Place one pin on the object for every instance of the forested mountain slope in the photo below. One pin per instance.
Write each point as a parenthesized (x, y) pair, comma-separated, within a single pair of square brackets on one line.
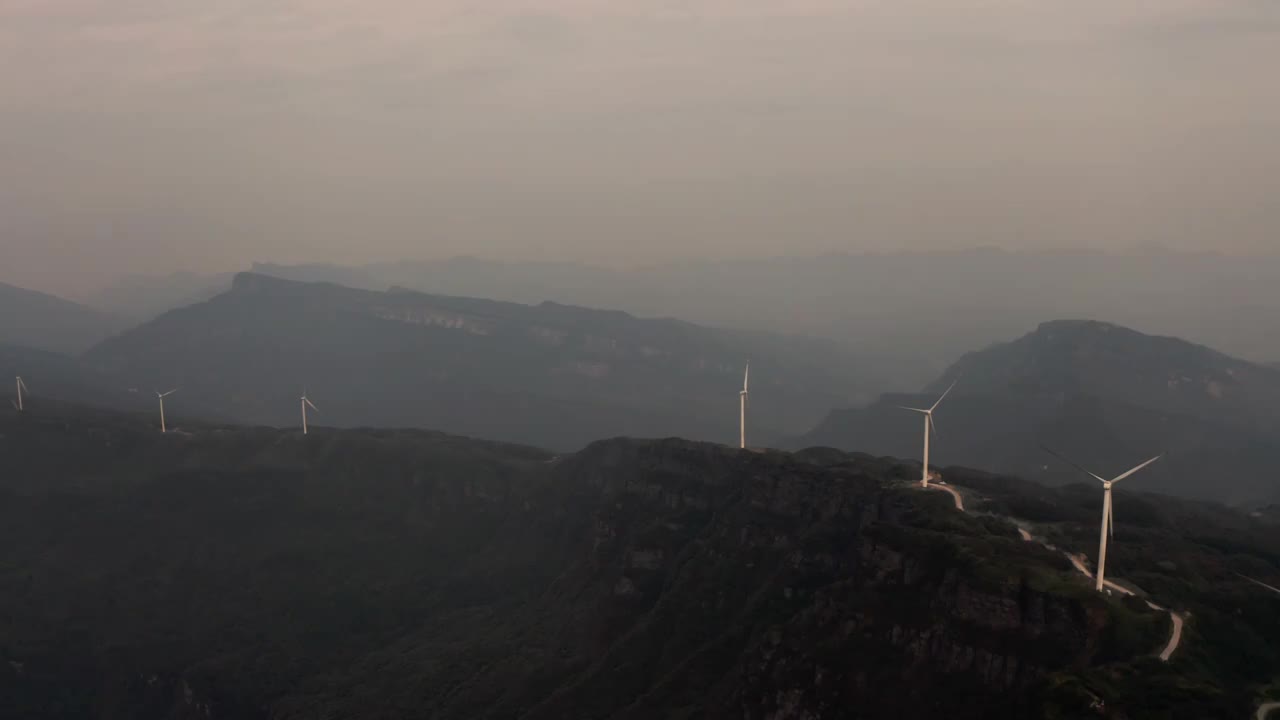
[(224, 572)]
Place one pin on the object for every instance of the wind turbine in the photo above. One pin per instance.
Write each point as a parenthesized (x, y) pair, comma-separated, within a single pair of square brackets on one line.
[(1108, 521), (161, 397), (1261, 584), (742, 409), (306, 404), (928, 428), (21, 387)]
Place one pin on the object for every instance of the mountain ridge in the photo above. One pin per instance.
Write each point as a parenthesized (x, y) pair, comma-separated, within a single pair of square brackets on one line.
[(1107, 396), (633, 579), (1194, 379), (875, 303), (48, 322), (551, 374)]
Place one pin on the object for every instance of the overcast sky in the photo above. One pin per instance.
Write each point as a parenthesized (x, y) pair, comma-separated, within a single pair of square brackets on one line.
[(154, 135)]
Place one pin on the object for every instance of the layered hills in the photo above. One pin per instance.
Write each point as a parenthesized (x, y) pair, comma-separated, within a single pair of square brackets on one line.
[(914, 311), (550, 375), (226, 572), (46, 322), (1106, 396)]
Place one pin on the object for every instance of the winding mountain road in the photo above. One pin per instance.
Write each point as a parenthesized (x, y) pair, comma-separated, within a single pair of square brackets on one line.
[(1264, 709), (954, 494), (1175, 634)]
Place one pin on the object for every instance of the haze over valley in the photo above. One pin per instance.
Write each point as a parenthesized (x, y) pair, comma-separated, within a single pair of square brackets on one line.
[(499, 369), (911, 313)]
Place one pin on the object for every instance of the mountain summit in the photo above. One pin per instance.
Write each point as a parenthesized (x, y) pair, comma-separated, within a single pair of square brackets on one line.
[(552, 375), (1123, 365), (1107, 395)]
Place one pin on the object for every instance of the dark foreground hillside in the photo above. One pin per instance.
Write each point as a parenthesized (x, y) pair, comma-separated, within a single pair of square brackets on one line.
[(257, 573)]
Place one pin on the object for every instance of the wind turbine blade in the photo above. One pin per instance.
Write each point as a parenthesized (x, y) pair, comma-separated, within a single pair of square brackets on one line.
[(932, 427), (746, 375), (904, 407), (1260, 583), (311, 405), (944, 396), (1072, 464), (1111, 517), (1143, 465), (23, 384)]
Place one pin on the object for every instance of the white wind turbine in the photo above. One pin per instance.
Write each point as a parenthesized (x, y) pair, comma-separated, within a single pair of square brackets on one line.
[(21, 387), (306, 404), (1108, 520), (929, 428), (161, 396), (1261, 584), (742, 409)]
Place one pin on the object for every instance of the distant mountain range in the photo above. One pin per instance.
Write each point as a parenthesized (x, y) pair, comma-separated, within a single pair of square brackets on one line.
[(37, 320), (142, 297), (1107, 396), (58, 379), (551, 375), (501, 370), (912, 312)]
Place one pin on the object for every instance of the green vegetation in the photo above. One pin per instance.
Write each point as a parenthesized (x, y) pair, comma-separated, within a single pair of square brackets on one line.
[(1184, 555), (251, 573)]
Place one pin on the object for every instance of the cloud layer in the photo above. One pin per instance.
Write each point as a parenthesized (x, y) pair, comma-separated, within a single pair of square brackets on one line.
[(164, 134)]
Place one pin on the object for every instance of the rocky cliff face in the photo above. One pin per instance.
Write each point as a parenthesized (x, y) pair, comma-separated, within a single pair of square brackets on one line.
[(388, 575), (753, 586)]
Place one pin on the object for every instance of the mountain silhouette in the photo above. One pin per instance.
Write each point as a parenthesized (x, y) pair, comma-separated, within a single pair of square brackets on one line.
[(1105, 395), (46, 322), (551, 375)]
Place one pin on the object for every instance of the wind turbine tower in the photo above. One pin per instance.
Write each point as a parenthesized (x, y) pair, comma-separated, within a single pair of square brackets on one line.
[(306, 404), (22, 386), (1108, 521), (742, 409), (161, 397), (929, 427)]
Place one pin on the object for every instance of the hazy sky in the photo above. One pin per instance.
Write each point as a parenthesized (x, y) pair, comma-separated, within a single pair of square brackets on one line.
[(152, 135)]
